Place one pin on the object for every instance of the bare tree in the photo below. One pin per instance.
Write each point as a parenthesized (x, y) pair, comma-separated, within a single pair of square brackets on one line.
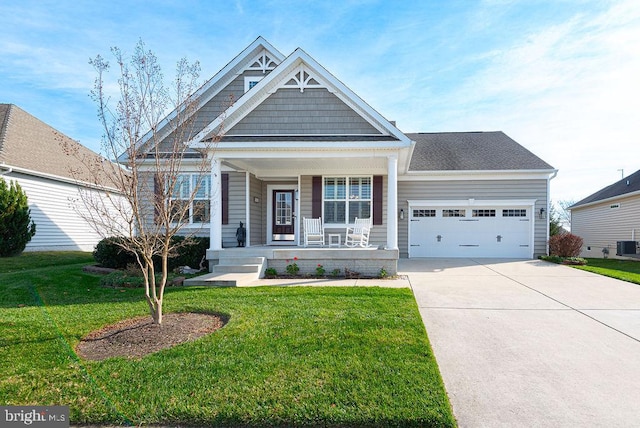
[(154, 200), (564, 213)]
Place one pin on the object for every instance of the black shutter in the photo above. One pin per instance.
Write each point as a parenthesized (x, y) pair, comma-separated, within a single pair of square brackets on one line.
[(225, 198), (377, 199), (316, 197)]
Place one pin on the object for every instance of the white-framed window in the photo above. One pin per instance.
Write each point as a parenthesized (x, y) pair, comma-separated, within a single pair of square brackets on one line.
[(251, 81), (199, 210), (345, 198)]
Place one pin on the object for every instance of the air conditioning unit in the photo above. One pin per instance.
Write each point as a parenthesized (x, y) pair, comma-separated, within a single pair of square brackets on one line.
[(626, 247)]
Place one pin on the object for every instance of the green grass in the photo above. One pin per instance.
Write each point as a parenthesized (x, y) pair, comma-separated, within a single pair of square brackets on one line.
[(299, 356), (626, 270)]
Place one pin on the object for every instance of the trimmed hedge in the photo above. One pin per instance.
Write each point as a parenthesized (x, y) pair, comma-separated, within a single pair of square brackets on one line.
[(109, 254)]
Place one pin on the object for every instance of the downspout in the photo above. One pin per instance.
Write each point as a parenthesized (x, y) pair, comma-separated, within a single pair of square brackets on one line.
[(555, 173)]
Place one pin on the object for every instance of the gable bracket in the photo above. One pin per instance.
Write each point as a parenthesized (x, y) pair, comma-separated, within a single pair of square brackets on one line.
[(302, 78), (263, 62)]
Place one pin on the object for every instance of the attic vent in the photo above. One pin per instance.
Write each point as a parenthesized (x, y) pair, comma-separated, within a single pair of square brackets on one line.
[(614, 206)]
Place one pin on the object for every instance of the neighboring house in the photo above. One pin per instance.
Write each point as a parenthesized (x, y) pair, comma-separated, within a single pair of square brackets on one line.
[(609, 216), (299, 143), (31, 155)]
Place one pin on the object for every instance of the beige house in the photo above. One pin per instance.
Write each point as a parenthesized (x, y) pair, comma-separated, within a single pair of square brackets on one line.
[(608, 221), (298, 143)]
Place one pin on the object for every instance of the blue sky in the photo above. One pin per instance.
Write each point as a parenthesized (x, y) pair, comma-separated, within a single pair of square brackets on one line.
[(560, 77)]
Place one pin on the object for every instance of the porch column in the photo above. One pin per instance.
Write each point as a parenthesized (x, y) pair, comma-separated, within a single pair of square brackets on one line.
[(215, 231), (392, 202)]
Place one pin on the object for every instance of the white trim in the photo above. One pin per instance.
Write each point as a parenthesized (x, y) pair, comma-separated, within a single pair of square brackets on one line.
[(471, 202), (477, 175), (270, 189), (606, 201)]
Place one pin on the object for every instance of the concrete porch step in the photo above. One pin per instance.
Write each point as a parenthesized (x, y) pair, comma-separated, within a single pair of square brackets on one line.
[(237, 268)]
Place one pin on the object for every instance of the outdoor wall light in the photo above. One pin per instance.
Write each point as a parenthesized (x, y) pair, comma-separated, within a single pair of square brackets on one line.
[(401, 214), (542, 212)]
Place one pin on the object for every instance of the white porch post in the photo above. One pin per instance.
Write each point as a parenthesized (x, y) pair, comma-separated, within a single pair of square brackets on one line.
[(247, 208), (392, 202), (215, 232)]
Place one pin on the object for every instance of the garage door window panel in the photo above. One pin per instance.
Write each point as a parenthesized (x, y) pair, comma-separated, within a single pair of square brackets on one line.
[(454, 213)]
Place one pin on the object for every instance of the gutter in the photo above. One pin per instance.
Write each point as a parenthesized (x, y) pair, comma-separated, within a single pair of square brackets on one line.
[(85, 184), (9, 169)]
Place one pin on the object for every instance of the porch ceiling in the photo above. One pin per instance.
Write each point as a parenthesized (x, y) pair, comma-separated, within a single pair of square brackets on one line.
[(289, 167)]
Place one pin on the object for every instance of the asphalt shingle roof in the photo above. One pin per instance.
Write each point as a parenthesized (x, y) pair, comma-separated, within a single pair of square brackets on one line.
[(471, 151), (27, 142), (629, 184)]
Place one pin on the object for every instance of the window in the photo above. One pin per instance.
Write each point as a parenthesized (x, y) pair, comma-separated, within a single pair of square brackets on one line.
[(199, 209), (346, 198), (251, 81), (483, 213), (453, 213), (514, 213), (424, 213)]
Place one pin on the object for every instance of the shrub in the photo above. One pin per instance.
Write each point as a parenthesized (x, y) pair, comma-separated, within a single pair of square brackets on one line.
[(320, 271), (565, 245), (270, 272), (111, 255), (108, 253), (16, 227)]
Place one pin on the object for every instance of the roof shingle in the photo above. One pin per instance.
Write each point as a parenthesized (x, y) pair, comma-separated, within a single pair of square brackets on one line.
[(629, 184), (27, 142), (471, 151)]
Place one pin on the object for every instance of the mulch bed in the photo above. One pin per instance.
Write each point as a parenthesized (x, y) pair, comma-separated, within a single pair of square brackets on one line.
[(137, 337)]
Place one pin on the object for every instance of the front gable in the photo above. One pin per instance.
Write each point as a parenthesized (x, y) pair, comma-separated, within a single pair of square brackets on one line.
[(220, 92), (301, 98)]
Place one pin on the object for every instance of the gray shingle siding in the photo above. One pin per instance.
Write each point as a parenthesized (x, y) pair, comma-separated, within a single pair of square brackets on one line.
[(291, 112)]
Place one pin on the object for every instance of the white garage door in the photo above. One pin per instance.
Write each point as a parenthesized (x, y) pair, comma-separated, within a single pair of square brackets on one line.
[(478, 231)]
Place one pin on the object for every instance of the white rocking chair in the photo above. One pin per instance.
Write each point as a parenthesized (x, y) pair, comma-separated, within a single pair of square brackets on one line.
[(313, 231), (358, 234)]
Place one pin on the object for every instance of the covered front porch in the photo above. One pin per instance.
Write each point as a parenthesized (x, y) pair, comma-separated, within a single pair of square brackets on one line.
[(271, 192)]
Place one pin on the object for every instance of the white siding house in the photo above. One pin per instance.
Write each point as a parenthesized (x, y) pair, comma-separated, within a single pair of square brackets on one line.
[(31, 155)]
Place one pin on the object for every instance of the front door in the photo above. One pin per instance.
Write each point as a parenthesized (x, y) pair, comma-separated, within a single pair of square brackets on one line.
[(283, 215)]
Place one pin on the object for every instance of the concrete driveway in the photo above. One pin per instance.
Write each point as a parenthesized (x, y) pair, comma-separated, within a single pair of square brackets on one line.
[(530, 343)]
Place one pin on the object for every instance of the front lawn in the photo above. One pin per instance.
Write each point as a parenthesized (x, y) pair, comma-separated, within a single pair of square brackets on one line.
[(626, 270), (300, 356)]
